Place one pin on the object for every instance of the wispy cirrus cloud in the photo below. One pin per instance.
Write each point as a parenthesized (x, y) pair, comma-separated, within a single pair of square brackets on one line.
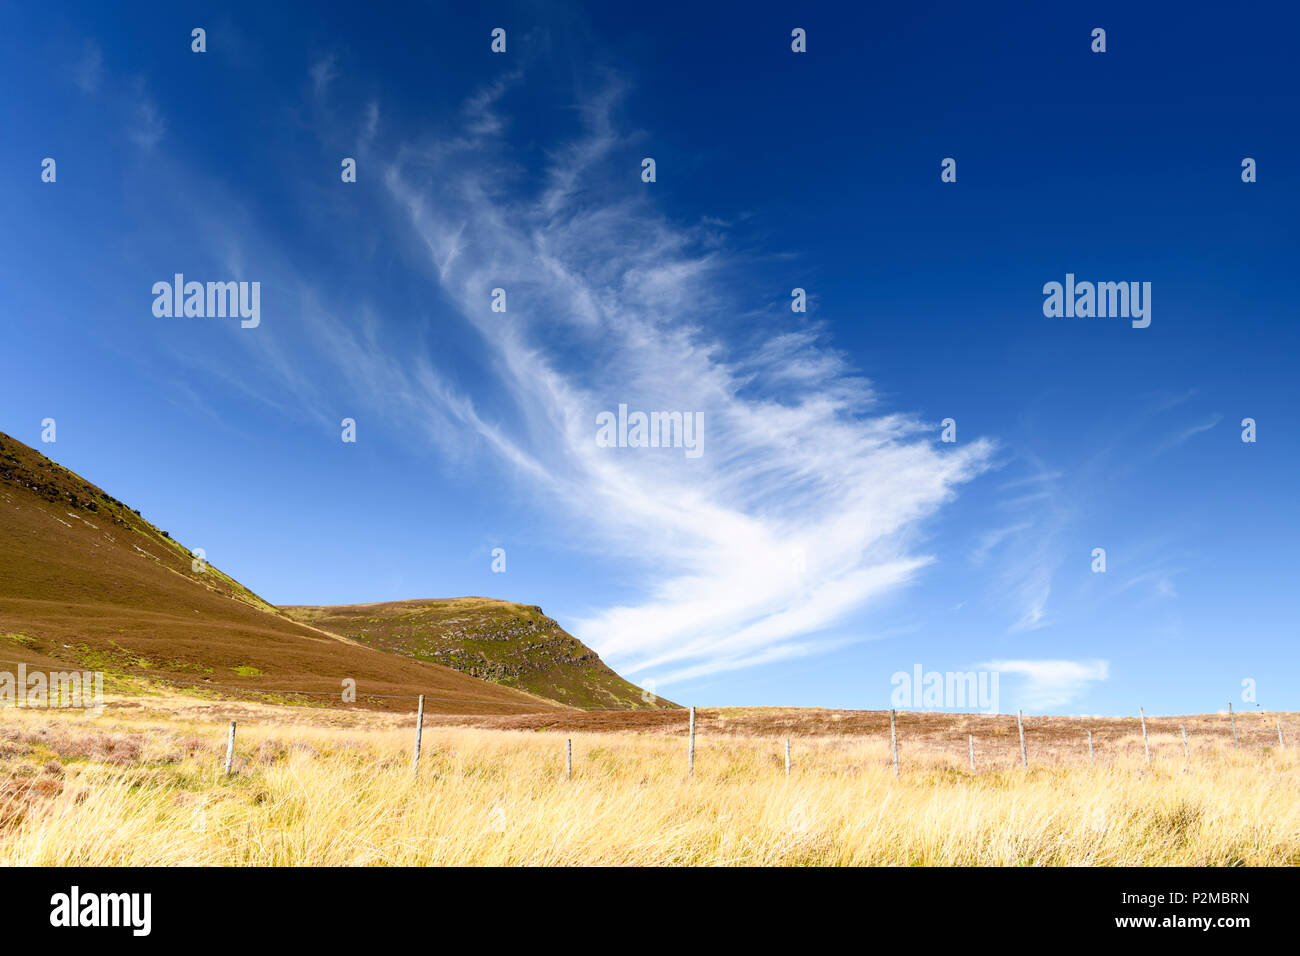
[(323, 73), (1188, 432), (88, 71), (144, 123), (805, 504), (1026, 554), (1050, 505), (146, 126)]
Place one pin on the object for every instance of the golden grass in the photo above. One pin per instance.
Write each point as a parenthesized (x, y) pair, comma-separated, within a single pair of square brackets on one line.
[(144, 787)]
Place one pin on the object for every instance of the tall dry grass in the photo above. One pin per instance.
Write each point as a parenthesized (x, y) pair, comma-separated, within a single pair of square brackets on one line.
[(318, 795)]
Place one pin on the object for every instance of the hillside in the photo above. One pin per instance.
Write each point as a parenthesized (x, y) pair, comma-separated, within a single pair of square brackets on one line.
[(511, 644), (88, 582)]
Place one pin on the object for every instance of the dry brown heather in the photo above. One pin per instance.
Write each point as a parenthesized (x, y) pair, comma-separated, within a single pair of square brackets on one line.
[(143, 785)]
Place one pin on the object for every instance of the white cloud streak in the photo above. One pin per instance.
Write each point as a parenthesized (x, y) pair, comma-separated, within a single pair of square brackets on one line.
[(804, 504), (1052, 683)]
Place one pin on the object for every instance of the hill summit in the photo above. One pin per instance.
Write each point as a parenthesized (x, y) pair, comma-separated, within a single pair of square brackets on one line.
[(511, 644)]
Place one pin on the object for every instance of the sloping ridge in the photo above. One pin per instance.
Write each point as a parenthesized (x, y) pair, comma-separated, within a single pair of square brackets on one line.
[(511, 644), (87, 582)]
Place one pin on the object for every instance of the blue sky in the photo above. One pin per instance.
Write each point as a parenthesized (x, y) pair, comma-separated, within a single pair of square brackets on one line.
[(826, 538)]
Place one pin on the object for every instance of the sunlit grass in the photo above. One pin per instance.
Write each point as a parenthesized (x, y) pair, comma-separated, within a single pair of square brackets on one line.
[(149, 790)]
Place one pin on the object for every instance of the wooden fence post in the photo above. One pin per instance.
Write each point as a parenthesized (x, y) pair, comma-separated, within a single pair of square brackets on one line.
[(419, 734), (1187, 754), (970, 739), (568, 759), (1232, 717), (893, 742), (1024, 754), (1280, 742), (230, 749), (1145, 745), (690, 751), (1090, 760), (787, 756)]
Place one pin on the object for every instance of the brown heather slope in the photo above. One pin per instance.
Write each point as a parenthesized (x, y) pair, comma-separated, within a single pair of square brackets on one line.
[(87, 582), (511, 644)]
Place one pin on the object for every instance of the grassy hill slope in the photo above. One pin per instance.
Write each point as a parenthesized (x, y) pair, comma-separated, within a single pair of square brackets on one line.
[(87, 582), (511, 644)]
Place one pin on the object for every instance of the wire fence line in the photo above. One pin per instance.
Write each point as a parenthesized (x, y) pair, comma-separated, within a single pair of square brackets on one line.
[(689, 716), (897, 741)]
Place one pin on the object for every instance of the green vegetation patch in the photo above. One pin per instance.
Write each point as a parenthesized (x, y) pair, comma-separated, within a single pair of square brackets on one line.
[(112, 658)]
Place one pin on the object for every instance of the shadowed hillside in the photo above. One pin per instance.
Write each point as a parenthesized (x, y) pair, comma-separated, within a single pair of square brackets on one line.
[(511, 644), (86, 581)]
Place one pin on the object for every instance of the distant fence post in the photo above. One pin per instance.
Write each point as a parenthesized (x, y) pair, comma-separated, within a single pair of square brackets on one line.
[(1187, 754), (419, 733), (568, 759), (1024, 754), (690, 750), (1145, 745), (1233, 717), (1090, 760), (230, 749), (970, 740), (1280, 742), (787, 756), (893, 742)]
